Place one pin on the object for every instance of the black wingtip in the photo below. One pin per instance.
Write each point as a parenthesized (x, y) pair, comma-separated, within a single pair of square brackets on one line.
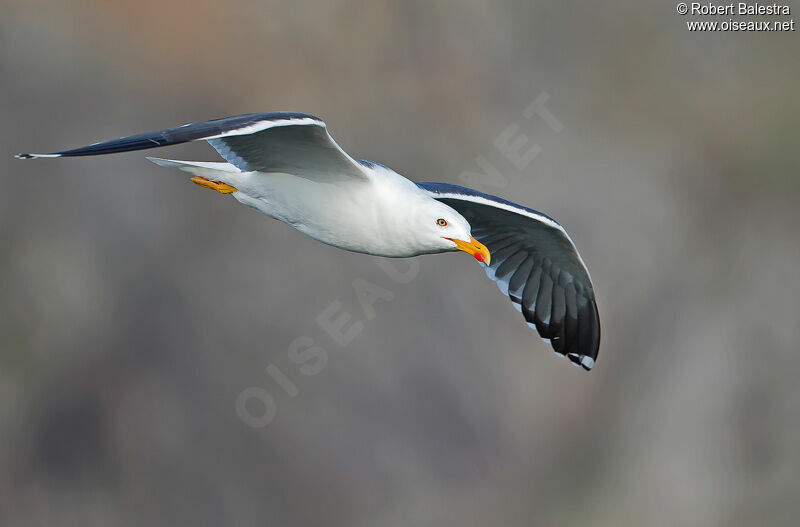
[(35, 156), (584, 361)]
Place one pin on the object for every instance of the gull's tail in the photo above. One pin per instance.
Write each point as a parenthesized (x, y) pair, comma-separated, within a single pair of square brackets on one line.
[(211, 171), (207, 169)]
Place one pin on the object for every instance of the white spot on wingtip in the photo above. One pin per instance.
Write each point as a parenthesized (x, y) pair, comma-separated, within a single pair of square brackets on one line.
[(587, 362), (34, 156)]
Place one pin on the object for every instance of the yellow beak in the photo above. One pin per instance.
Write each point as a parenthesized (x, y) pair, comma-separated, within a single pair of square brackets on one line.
[(475, 248)]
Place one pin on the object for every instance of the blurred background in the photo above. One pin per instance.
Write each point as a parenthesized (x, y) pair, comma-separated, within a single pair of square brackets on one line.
[(135, 307)]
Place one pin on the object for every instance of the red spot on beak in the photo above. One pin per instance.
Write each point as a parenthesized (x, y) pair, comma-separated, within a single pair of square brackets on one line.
[(475, 248)]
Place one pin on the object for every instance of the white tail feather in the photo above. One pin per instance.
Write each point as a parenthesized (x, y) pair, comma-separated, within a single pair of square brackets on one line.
[(199, 168)]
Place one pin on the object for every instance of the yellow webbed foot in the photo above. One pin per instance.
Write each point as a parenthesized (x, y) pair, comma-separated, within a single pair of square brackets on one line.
[(222, 188)]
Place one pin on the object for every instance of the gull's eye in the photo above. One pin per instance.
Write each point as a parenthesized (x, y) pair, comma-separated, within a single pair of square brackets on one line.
[(441, 222)]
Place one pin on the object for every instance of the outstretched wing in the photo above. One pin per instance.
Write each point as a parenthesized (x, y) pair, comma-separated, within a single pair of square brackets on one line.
[(293, 143), (536, 264)]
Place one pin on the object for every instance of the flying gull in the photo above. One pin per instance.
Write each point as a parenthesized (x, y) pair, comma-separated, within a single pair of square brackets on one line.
[(287, 166)]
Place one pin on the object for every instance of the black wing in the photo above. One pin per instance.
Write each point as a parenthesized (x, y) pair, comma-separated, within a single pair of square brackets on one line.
[(536, 264), (295, 143)]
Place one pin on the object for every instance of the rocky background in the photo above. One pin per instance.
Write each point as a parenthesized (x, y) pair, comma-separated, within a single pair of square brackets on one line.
[(136, 308)]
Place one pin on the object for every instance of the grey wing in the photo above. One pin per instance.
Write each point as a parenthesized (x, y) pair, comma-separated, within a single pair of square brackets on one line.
[(536, 264), (302, 149), (289, 142)]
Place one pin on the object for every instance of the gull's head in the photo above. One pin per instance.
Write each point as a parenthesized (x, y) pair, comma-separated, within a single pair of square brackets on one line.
[(440, 228)]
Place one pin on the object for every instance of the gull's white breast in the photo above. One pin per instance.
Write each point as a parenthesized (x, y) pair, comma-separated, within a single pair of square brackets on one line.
[(359, 216)]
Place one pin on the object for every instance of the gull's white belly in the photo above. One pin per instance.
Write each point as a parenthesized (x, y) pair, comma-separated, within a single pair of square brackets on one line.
[(348, 215)]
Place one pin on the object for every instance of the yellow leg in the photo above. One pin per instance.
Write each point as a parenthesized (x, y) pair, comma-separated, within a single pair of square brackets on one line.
[(222, 188)]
